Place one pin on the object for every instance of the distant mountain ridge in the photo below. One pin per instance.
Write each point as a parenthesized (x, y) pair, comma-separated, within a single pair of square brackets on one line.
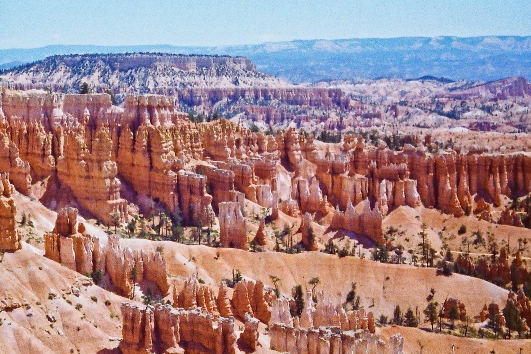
[(138, 73), (474, 58)]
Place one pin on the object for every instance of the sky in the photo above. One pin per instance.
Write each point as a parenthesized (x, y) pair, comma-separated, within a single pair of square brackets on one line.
[(37, 23)]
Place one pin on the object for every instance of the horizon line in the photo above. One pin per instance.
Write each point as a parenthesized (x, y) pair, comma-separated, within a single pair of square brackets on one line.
[(263, 43)]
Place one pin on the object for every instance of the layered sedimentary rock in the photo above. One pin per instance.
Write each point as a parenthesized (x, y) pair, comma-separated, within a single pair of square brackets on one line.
[(285, 338), (162, 329), (196, 295), (309, 240), (89, 153), (249, 336), (367, 222), (325, 328), (260, 237), (9, 237), (232, 226), (194, 201), (223, 301), (71, 246), (249, 297)]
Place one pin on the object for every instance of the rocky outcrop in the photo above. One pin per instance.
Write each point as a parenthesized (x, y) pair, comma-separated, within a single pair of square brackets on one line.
[(197, 295), (522, 304), (260, 237), (510, 217), (9, 237), (86, 152), (194, 201), (163, 329), (223, 301), (249, 336), (71, 246), (309, 239), (232, 226), (249, 298), (362, 220), (396, 344), (280, 312), (492, 312), (285, 338), (488, 270)]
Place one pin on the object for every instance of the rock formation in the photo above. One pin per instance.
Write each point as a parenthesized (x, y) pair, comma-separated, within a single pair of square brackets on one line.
[(197, 295), (260, 237), (249, 298), (249, 336), (9, 237), (89, 153), (223, 301), (71, 246), (309, 240), (285, 338), (232, 226), (163, 329), (324, 328), (366, 222)]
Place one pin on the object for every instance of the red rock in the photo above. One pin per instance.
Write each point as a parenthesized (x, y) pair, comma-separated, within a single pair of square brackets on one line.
[(9, 237)]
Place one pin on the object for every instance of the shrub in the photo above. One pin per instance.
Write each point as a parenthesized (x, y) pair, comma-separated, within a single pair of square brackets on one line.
[(462, 230), (97, 276)]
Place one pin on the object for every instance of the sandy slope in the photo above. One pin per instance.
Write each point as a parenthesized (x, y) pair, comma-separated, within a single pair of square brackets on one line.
[(27, 280), (381, 286), (419, 341)]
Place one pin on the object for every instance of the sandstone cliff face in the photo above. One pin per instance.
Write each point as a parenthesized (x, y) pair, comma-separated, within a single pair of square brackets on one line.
[(249, 299), (329, 340), (368, 222), (9, 237), (249, 337), (85, 151), (69, 245), (309, 240), (196, 295), (232, 226), (162, 329), (324, 328)]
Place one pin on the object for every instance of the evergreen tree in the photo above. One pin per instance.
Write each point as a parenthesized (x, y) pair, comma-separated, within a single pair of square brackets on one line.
[(299, 301), (410, 320), (513, 320), (397, 316), (453, 314), (85, 89), (431, 313)]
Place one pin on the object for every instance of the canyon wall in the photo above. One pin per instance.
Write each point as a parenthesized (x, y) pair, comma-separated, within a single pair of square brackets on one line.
[(9, 236), (163, 329), (81, 150), (71, 246)]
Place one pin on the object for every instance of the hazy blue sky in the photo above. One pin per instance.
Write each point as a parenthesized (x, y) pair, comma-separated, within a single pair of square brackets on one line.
[(35, 23)]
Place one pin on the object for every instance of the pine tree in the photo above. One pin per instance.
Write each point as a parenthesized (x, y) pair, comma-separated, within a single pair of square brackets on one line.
[(85, 89), (397, 316), (431, 313), (410, 320)]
